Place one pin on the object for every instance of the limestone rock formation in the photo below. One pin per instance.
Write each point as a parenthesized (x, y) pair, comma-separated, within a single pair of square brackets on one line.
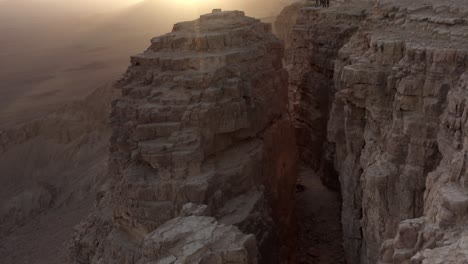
[(198, 240), (201, 130), (396, 74)]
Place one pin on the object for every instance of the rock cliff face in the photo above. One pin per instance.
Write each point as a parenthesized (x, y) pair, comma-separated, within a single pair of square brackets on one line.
[(203, 154), (396, 74)]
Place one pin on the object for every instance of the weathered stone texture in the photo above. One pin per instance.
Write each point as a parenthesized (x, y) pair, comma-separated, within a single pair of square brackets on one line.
[(396, 125), (202, 128), (314, 43), (313, 38), (198, 240)]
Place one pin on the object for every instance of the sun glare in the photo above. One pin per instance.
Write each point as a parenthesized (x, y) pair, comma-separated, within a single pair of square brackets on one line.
[(132, 2), (187, 2)]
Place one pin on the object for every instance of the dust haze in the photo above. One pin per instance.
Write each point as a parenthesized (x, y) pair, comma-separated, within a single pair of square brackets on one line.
[(57, 51)]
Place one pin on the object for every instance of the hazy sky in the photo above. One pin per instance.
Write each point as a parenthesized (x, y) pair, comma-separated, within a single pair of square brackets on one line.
[(35, 7), (64, 6), (42, 39)]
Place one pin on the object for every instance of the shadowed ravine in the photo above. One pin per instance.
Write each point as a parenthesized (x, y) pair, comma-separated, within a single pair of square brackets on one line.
[(318, 219)]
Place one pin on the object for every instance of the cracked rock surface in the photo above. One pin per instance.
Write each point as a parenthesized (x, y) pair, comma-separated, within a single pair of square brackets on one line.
[(395, 73), (200, 131)]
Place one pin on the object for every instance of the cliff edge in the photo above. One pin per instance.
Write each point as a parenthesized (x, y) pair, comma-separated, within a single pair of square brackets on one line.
[(203, 154)]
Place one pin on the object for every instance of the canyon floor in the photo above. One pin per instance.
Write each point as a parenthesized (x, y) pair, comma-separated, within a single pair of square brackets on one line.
[(318, 220)]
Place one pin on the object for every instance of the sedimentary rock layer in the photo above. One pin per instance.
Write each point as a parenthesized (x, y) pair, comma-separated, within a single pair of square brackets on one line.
[(396, 125), (201, 130)]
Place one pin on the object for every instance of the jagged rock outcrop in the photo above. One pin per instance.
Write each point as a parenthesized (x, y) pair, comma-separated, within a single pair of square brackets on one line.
[(198, 239), (201, 129), (396, 125)]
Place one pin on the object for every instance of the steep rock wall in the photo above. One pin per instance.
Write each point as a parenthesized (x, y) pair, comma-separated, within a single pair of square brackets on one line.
[(313, 46), (392, 91), (313, 37), (395, 128), (201, 129)]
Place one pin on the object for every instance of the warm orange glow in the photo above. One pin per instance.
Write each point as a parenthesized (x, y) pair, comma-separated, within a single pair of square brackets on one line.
[(258, 8), (191, 3)]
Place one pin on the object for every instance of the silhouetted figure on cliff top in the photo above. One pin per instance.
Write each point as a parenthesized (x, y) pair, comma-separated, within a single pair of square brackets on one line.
[(322, 3)]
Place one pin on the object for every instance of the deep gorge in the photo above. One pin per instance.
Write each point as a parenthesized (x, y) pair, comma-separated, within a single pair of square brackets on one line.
[(217, 120), (371, 94)]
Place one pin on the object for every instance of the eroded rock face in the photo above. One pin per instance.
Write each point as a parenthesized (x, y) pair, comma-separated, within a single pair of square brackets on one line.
[(198, 239), (313, 46), (313, 37), (202, 128), (396, 125), (392, 95)]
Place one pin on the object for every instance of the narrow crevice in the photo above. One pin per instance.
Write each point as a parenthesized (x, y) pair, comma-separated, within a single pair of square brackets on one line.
[(312, 57), (318, 213)]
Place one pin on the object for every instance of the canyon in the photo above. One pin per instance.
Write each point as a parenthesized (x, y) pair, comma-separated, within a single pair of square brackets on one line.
[(333, 135), (376, 91)]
